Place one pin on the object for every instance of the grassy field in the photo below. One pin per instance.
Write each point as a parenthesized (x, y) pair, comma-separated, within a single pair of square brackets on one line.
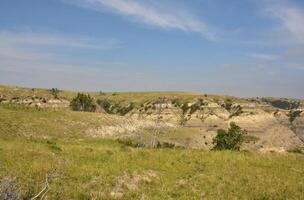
[(35, 142)]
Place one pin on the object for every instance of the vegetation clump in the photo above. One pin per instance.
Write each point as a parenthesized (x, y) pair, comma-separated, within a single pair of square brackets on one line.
[(115, 108), (176, 102), (236, 111), (166, 145), (123, 110), (129, 142), (297, 150), (83, 102), (105, 104), (132, 143), (55, 93), (227, 104), (231, 139), (293, 114), (282, 103)]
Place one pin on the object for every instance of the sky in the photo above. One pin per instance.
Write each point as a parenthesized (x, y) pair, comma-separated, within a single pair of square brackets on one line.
[(242, 48)]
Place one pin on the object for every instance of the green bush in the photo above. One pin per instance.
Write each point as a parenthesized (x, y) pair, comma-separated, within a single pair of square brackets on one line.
[(298, 150), (293, 114), (115, 108), (229, 140), (176, 102), (185, 108), (129, 142), (194, 108), (123, 110), (55, 92), (105, 104), (235, 111), (166, 145), (227, 105), (83, 102)]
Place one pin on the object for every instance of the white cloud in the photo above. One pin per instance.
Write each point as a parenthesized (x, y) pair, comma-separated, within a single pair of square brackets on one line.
[(28, 38), (264, 56), (32, 46), (147, 13), (290, 16), (243, 66)]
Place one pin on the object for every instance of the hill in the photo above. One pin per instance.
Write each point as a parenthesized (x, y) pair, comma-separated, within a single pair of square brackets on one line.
[(92, 155)]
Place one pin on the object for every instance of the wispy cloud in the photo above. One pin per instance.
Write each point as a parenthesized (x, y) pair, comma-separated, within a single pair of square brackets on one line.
[(33, 46), (47, 60), (243, 66), (297, 66), (291, 17), (262, 56), (29, 38), (295, 53), (147, 13)]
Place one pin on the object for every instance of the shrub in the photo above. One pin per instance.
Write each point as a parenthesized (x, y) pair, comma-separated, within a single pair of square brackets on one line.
[(194, 108), (129, 142), (115, 108), (298, 150), (102, 93), (125, 110), (185, 108), (83, 102), (166, 145), (55, 92), (236, 111), (105, 104), (293, 114), (53, 146), (176, 102), (229, 140), (227, 105)]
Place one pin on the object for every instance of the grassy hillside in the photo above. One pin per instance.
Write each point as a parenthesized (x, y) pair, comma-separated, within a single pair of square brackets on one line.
[(35, 142), (136, 97), (21, 92)]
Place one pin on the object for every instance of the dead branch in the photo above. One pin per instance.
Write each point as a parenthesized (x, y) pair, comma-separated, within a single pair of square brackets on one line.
[(46, 187)]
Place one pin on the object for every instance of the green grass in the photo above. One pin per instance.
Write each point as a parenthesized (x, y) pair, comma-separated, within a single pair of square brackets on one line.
[(19, 120), (122, 97), (92, 167), (34, 142), (137, 97), (181, 136)]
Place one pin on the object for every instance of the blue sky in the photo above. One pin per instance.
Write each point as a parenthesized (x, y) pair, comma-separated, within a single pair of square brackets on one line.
[(240, 47)]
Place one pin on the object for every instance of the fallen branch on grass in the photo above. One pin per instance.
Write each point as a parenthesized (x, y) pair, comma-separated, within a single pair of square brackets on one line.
[(46, 187)]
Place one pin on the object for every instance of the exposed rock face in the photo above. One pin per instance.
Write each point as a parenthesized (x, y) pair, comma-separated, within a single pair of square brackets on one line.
[(298, 126), (271, 128), (295, 124), (270, 132), (37, 101), (276, 124)]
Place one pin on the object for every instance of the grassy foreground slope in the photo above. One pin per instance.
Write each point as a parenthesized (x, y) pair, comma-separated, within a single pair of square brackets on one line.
[(35, 142)]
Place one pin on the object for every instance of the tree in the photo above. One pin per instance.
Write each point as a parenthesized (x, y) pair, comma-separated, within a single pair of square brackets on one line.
[(83, 102), (231, 139)]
